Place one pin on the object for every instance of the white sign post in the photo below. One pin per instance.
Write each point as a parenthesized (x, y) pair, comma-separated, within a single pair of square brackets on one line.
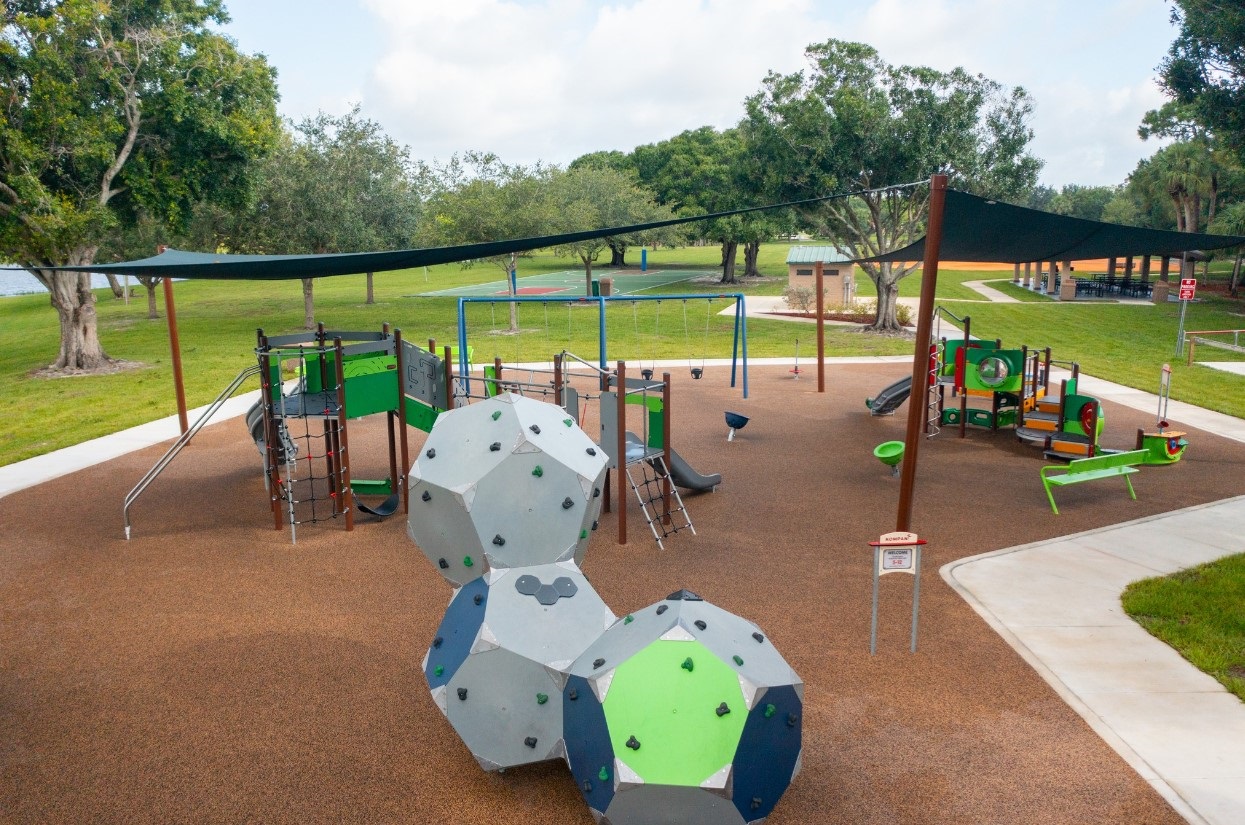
[(896, 553), (1188, 288)]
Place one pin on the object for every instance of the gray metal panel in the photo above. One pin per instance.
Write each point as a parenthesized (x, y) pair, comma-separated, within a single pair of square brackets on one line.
[(670, 805), (423, 376), (443, 530), (553, 634), (608, 413), (626, 637), (813, 254)]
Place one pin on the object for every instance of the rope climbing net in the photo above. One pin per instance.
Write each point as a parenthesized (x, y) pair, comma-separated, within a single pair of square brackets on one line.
[(659, 499)]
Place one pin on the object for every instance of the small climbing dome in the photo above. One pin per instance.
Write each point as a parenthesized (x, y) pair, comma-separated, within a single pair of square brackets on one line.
[(496, 665), (685, 709), (506, 482)]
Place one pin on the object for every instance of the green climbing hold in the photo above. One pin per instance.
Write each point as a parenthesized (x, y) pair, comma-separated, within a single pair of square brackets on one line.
[(439, 670), (467, 562), (568, 422), (770, 710), (603, 774), (738, 660), (687, 664), (629, 620), (538, 472), (583, 534), (496, 414), (541, 698)]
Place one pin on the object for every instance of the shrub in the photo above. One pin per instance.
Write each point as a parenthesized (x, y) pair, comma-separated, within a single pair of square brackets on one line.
[(800, 298)]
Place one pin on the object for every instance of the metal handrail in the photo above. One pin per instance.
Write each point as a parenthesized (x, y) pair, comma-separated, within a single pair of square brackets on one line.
[(181, 442)]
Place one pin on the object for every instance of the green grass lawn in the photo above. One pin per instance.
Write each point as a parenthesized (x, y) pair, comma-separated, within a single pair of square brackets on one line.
[(217, 320), (1198, 612)]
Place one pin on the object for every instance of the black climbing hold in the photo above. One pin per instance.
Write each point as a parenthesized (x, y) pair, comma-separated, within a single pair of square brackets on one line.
[(587, 786), (527, 585), (700, 623), (494, 447), (756, 802), (530, 741), (547, 594), (662, 608), (567, 503), (791, 720), (633, 743), (592, 451), (443, 564), (597, 663), (723, 709), (462, 694), (572, 694), (565, 587), (498, 540), (595, 525), (432, 453), (437, 641), (683, 595), (758, 637), (596, 492), (478, 598), (535, 428), (427, 496)]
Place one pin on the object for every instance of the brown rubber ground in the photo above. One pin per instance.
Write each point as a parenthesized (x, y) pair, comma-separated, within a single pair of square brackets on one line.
[(211, 671)]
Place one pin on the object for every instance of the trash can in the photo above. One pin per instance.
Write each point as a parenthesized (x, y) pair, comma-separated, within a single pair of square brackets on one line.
[(596, 288), (607, 287)]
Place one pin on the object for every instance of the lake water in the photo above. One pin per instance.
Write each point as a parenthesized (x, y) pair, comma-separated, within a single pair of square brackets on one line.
[(22, 283)]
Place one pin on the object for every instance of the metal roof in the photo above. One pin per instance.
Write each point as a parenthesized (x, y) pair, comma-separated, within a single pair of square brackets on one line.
[(813, 254)]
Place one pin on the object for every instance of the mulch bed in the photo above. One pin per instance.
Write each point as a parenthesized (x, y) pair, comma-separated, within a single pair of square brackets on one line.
[(211, 671)]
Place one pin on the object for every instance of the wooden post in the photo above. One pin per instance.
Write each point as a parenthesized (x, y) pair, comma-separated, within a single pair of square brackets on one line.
[(821, 327), (345, 500), (1145, 269), (920, 358), (1164, 267), (622, 452), (496, 375), (449, 379), (404, 478), (179, 384), (665, 443)]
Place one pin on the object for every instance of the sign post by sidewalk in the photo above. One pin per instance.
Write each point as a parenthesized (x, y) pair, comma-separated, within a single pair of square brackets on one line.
[(1188, 288), (898, 552)]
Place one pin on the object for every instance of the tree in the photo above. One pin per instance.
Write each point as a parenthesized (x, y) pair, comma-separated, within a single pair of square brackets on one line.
[(852, 120), (1205, 66), (588, 197), (109, 109), (478, 198), (1087, 202), (333, 184)]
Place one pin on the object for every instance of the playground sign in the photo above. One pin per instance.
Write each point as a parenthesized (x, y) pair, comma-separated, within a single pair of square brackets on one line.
[(898, 552), (1188, 288)]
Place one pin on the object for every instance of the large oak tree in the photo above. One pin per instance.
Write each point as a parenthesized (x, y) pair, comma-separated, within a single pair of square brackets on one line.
[(111, 108)]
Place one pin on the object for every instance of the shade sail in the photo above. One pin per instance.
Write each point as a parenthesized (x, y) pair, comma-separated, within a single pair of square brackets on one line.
[(978, 229)]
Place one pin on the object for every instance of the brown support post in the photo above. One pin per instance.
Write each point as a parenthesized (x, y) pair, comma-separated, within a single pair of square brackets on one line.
[(1164, 267), (920, 358), (621, 446), (406, 455), (557, 383), (270, 429), (496, 375), (821, 327), (448, 361), (1145, 269), (1111, 264), (968, 322), (665, 443), (179, 384), (343, 449)]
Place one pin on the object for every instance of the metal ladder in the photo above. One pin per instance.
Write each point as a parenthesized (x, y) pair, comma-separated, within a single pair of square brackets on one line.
[(181, 442)]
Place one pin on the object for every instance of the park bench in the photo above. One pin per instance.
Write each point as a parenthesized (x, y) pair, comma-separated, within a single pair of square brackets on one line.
[(1109, 465)]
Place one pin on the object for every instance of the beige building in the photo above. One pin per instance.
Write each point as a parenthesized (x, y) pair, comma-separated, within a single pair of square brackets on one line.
[(837, 272)]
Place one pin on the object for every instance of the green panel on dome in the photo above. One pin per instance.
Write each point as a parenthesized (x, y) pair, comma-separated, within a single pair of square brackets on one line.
[(674, 713)]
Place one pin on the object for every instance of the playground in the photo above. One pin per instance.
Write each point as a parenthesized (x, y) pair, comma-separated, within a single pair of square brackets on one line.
[(209, 670)]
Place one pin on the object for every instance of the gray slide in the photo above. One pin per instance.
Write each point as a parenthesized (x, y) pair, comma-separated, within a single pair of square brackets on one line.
[(682, 473), (889, 399)]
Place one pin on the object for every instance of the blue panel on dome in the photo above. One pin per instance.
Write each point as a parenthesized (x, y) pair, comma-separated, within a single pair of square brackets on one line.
[(768, 751), (588, 748), (457, 632)]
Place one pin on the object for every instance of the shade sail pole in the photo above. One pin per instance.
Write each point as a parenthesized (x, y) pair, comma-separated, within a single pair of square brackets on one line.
[(917, 398), (175, 347)]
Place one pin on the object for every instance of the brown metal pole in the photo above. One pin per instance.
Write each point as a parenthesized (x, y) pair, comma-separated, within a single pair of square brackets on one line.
[(175, 346), (621, 446), (270, 427), (920, 357), (496, 375), (449, 379), (665, 443), (821, 328), (406, 456), (343, 445), (557, 384)]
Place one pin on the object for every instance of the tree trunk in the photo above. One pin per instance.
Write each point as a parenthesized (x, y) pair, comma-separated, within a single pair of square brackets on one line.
[(888, 299), (752, 250), (150, 285), (71, 295), (1235, 283), (118, 291), (729, 251), (309, 304), (371, 295), (618, 255), (587, 275)]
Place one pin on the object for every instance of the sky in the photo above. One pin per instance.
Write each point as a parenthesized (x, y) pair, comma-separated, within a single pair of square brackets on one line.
[(551, 80)]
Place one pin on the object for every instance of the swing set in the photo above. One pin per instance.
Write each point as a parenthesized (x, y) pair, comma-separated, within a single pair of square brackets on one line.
[(739, 348)]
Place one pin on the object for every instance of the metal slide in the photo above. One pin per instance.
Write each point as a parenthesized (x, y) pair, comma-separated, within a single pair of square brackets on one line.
[(889, 399), (682, 473)]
